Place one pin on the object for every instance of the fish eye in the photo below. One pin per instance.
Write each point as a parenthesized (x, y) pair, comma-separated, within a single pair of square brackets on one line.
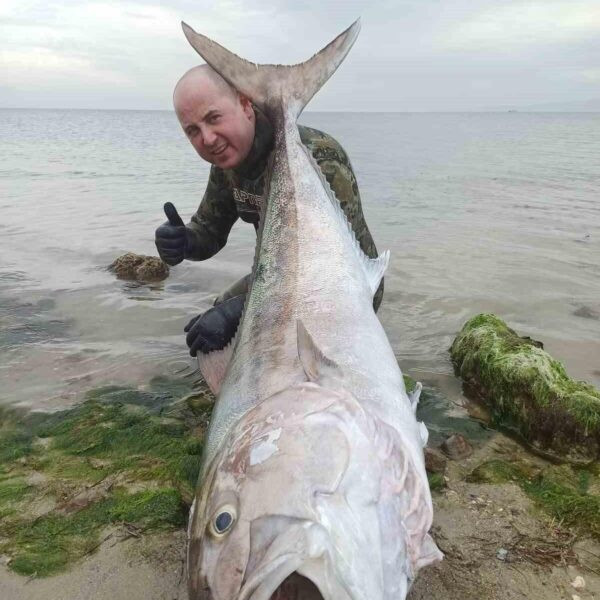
[(222, 521)]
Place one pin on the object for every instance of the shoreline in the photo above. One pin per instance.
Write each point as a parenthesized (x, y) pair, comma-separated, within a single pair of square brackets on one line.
[(473, 523), (480, 512)]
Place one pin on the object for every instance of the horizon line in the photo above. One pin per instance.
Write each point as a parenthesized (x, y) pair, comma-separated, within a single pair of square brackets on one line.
[(374, 112)]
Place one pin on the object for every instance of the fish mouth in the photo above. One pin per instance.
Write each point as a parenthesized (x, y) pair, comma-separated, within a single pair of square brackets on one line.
[(266, 580), (293, 577), (281, 581), (297, 587)]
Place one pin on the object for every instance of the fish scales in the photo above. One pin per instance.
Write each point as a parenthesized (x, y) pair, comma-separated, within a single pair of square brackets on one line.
[(313, 473)]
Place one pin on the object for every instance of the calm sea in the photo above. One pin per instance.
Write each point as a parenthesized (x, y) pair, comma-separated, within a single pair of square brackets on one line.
[(481, 212)]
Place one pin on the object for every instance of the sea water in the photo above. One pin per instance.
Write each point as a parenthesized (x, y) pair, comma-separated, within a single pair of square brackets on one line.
[(495, 212)]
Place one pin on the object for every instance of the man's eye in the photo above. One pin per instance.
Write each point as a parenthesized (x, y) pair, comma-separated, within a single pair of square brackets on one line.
[(214, 119), (192, 132)]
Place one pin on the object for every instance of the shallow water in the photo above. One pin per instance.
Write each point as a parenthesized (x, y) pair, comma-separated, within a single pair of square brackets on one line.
[(482, 212)]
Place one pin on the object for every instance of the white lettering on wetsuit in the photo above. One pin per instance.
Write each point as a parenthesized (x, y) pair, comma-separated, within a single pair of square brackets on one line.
[(247, 198)]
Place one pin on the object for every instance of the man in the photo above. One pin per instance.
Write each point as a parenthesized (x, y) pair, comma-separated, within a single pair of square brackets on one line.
[(236, 138)]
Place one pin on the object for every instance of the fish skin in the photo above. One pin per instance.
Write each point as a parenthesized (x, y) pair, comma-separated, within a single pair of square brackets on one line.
[(313, 448)]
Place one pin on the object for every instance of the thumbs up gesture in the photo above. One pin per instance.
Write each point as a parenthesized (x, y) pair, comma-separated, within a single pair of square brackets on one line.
[(171, 237)]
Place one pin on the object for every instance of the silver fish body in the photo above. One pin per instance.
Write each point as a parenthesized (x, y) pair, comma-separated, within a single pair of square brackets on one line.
[(313, 482)]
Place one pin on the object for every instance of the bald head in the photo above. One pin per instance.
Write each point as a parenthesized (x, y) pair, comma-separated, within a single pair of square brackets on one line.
[(218, 121), (198, 81)]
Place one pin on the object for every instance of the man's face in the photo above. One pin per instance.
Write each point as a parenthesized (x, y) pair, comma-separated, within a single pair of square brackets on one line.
[(219, 125)]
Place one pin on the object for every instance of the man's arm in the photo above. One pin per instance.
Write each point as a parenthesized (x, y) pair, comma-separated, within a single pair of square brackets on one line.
[(209, 227)]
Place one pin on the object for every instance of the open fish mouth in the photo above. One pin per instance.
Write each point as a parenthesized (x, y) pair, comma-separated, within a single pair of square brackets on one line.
[(295, 577), (269, 580), (297, 587), (281, 582)]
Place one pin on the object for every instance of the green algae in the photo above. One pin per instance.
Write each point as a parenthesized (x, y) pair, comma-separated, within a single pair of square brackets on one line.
[(141, 448), (46, 545), (527, 389), (436, 482), (409, 383), (561, 492), (14, 442), (12, 492)]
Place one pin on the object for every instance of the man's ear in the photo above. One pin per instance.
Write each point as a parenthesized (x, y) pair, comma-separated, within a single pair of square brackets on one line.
[(247, 107)]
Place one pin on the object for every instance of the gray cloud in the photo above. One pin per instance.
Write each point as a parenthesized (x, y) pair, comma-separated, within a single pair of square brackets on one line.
[(411, 55)]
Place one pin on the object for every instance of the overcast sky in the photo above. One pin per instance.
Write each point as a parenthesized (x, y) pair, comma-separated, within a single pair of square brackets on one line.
[(413, 55)]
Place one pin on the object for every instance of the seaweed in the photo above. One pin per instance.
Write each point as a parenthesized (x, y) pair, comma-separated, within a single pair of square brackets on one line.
[(46, 545), (556, 490), (123, 456)]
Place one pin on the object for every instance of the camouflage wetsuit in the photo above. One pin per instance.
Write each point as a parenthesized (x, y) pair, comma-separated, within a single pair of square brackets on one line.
[(233, 193)]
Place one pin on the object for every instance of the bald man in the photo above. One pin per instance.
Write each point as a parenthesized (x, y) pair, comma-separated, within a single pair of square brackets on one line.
[(236, 138)]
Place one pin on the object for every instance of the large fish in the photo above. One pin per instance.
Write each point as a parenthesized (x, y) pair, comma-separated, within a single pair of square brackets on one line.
[(313, 483)]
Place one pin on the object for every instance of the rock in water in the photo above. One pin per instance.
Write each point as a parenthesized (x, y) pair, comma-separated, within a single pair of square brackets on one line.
[(139, 267), (527, 389)]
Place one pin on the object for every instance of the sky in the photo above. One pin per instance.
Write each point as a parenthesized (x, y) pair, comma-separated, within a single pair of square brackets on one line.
[(411, 55)]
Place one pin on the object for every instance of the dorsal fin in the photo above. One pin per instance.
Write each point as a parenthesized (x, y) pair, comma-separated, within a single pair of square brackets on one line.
[(373, 268)]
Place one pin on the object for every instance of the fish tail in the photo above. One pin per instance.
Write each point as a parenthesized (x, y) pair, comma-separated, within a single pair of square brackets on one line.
[(272, 86)]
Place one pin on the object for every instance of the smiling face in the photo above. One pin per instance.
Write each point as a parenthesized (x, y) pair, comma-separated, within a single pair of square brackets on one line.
[(219, 122)]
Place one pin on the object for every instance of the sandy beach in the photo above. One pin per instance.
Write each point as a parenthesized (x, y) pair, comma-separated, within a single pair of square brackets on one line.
[(473, 523)]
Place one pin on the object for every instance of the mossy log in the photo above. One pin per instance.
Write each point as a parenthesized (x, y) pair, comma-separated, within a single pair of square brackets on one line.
[(527, 390)]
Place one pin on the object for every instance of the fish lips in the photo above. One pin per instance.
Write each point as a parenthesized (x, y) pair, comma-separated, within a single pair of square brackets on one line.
[(303, 549), (265, 583)]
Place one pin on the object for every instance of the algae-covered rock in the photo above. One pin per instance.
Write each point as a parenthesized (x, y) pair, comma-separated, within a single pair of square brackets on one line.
[(527, 389), (140, 267)]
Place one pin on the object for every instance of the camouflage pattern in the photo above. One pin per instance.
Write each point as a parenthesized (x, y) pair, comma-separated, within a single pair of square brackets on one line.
[(238, 192)]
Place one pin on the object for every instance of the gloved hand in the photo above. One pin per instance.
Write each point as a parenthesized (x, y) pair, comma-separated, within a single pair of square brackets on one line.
[(215, 328), (171, 237)]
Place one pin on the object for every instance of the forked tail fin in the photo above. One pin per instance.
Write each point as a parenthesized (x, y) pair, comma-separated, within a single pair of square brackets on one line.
[(275, 85)]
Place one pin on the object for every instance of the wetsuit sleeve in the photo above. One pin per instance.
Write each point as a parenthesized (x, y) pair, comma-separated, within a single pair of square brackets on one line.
[(210, 225)]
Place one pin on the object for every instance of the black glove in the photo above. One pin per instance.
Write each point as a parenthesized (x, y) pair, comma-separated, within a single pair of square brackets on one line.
[(171, 237), (215, 328)]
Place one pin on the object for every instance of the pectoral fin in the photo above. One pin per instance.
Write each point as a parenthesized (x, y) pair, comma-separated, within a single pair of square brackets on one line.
[(315, 364), (213, 366)]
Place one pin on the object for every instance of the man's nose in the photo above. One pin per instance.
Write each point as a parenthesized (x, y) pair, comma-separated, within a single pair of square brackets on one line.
[(209, 137)]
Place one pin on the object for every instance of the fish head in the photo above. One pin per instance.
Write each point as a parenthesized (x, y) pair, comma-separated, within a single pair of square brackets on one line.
[(294, 505)]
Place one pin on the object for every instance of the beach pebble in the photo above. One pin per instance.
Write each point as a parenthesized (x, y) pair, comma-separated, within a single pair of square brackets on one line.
[(457, 447), (578, 583), (501, 553)]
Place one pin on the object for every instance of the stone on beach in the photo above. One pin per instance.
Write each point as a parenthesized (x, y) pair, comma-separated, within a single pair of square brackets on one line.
[(457, 447), (435, 461)]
